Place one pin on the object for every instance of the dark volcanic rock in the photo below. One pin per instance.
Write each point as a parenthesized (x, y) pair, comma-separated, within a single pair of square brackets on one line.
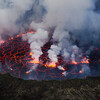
[(76, 89)]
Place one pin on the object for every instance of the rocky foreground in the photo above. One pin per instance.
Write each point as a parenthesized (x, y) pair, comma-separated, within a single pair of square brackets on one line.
[(12, 88)]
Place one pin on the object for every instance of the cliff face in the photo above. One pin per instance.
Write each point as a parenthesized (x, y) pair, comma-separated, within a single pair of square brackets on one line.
[(76, 89)]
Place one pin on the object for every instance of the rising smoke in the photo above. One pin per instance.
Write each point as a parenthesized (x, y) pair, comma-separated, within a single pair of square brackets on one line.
[(74, 24)]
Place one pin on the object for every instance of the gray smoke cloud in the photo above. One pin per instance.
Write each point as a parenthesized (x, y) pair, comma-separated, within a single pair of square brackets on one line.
[(10, 12), (69, 16)]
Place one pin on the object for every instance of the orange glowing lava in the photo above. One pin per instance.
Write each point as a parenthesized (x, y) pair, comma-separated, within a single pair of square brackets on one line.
[(35, 61), (27, 72), (31, 31), (85, 61), (31, 53), (80, 72), (1, 42), (52, 64), (74, 62)]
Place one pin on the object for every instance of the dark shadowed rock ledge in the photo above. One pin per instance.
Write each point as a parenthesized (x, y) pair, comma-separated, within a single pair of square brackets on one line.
[(12, 88)]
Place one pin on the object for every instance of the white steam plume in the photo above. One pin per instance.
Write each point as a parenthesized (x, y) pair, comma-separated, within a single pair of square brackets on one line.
[(37, 40), (66, 16)]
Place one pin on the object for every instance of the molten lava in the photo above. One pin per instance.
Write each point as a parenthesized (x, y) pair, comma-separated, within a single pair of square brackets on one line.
[(16, 58)]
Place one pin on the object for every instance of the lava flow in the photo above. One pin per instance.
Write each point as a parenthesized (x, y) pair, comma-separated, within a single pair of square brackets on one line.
[(16, 59)]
